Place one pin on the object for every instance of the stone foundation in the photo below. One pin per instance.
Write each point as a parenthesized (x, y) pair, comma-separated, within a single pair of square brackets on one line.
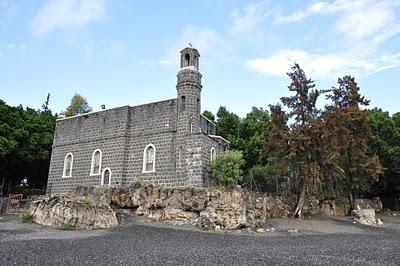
[(212, 208)]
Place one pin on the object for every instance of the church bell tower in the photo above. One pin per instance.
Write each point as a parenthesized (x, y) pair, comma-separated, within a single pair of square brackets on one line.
[(189, 150), (189, 91)]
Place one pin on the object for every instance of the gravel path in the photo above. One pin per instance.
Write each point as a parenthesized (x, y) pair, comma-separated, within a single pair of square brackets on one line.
[(326, 241)]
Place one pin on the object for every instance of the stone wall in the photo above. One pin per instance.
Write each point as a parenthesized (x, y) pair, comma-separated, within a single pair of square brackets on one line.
[(82, 135), (122, 135)]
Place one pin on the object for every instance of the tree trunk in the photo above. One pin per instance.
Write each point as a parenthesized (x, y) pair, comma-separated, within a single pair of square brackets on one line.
[(1, 187), (351, 200), (276, 184), (300, 202)]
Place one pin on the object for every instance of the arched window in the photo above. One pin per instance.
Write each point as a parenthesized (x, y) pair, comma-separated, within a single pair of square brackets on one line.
[(95, 168), (68, 162), (149, 158), (213, 154), (183, 103), (106, 177), (187, 59)]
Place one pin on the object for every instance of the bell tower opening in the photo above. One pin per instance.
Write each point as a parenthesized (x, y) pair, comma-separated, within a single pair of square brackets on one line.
[(190, 58), (187, 60)]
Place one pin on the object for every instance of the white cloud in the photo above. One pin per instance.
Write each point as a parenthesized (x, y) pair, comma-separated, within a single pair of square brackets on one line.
[(212, 46), (165, 62), (248, 18), (358, 19), (363, 25), (302, 14), (323, 66), (67, 15), (147, 63), (366, 20)]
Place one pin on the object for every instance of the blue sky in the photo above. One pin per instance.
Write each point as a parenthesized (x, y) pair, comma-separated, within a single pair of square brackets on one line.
[(120, 52)]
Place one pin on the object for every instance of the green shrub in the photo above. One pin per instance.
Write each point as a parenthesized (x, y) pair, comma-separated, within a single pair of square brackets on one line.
[(26, 217), (84, 200), (227, 168), (33, 191), (65, 227), (342, 202)]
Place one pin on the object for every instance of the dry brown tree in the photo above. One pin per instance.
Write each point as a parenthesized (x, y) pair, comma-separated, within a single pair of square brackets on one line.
[(297, 136), (348, 133)]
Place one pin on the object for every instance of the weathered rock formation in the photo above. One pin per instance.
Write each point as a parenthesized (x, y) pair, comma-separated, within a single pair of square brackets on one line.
[(210, 208), (84, 214)]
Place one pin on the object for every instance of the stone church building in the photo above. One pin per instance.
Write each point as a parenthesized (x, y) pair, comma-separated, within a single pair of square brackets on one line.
[(169, 143)]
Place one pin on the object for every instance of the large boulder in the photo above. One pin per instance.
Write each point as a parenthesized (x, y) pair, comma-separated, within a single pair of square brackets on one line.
[(59, 211), (366, 217)]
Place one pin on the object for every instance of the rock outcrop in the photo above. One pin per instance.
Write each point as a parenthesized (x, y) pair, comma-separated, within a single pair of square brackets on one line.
[(83, 214), (208, 209)]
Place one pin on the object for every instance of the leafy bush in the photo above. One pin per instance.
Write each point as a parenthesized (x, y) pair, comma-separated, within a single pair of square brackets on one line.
[(65, 227), (264, 177), (26, 217), (227, 168)]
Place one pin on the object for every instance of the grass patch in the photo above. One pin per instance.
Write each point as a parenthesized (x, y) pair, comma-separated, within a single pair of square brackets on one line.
[(218, 189), (26, 217), (84, 200), (342, 202), (65, 227)]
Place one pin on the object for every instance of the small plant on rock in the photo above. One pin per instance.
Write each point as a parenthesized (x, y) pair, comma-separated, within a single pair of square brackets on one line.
[(85, 200), (65, 227), (227, 168), (26, 217)]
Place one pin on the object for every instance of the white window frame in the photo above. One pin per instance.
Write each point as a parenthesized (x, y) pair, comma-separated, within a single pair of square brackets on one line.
[(145, 159), (213, 154), (102, 177), (64, 174), (92, 164)]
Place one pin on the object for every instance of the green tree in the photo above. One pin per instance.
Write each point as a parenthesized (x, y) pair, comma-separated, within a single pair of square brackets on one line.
[(78, 105), (253, 132), (227, 168), (396, 119), (228, 124), (26, 138), (385, 142), (209, 115)]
